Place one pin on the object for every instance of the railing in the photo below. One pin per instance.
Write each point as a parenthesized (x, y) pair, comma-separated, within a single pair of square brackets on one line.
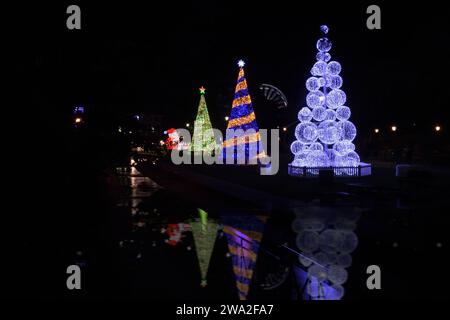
[(364, 169)]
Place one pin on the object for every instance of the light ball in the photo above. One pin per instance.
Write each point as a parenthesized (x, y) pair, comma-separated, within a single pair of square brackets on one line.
[(334, 68), (348, 130), (342, 148), (315, 99), (337, 274), (330, 115), (319, 113), (305, 114), (352, 159), (307, 241), (297, 147), (317, 158), (349, 242), (312, 84), (316, 146), (335, 82), (323, 56), (306, 132), (317, 272), (320, 68), (336, 98), (324, 45), (343, 113), (329, 132)]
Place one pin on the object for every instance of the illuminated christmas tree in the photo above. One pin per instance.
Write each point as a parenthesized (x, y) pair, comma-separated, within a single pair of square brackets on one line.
[(203, 139), (243, 140), (325, 134)]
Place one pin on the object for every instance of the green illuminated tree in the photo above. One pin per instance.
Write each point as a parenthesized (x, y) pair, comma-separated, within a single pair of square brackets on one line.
[(203, 139)]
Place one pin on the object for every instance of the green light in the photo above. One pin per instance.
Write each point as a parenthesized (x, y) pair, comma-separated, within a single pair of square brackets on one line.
[(203, 139), (205, 233)]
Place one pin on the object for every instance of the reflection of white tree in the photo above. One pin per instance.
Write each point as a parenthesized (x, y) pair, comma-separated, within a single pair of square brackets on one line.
[(326, 238)]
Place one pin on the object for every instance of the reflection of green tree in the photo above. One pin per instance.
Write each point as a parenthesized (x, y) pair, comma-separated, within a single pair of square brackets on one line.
[(204, 233)]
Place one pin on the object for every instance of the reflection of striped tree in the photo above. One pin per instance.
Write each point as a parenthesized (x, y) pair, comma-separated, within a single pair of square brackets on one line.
[(243, 243), (204, 232)]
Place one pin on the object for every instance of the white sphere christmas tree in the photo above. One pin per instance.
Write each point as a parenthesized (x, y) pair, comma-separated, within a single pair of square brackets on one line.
[(324, 136)]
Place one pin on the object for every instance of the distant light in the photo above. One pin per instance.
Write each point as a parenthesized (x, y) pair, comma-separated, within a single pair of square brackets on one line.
[(394, 128), (377, 130), (285, 129), (78, 120), (137, 117), (437, 128), (187, 125), (241, 63), (120, 129), (78, 109), (227, 118)]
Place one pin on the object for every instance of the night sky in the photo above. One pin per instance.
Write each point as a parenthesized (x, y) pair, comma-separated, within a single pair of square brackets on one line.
[(147, 58)]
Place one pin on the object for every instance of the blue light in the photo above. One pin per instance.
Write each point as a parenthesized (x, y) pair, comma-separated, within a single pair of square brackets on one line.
[(306, 132), (336, 98), (343, 113), (334, 68), (305, 114), (348, 130), (323, 56), (330, 114), (315, 99), (78, 109), (324, 28), (312, 84), (324, 135), (329, 132), (319, 113), (334, 82), (319, 68), (324, 45)]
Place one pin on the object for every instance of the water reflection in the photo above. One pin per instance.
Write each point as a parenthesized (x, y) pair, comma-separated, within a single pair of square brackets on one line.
[(325, 238), (235, 252), (244, 234)]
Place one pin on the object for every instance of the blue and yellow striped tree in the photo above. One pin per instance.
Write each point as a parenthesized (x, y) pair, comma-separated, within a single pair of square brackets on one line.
[(242, 144)]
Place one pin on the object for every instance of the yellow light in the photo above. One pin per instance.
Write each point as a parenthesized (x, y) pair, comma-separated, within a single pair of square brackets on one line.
[(77, 120), (240, 101), (394, 128), (437, 128), (241, 121), (377, 130)]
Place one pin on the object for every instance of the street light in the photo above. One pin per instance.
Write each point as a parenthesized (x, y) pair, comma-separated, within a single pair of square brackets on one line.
[(437, 128), (394, 128), (77, 120), (377, 130)]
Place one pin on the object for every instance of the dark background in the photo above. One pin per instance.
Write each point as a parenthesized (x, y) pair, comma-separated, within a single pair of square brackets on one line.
[(151, 58)]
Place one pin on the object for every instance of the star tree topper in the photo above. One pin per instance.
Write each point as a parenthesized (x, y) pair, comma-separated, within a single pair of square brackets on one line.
[(202, 90)]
